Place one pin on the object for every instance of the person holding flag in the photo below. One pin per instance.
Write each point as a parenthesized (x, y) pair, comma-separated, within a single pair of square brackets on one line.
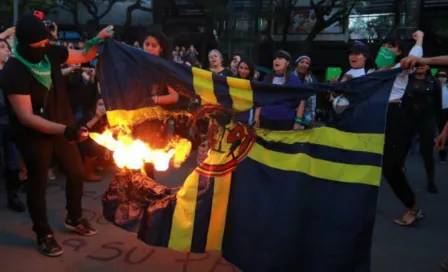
[(413, 61)]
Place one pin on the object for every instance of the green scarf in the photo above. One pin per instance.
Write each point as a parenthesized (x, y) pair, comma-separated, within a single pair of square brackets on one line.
[(41, 71)]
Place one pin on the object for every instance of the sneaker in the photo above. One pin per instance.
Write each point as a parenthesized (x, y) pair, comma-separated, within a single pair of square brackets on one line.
[(82, 226), (49, 247)]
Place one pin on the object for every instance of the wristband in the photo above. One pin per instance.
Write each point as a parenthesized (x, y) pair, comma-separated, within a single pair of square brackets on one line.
[(298, 120), (93, 42)]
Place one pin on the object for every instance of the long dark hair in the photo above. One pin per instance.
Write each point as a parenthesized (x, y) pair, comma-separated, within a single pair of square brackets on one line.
[(7, 44), (163, 41), (251, 68)]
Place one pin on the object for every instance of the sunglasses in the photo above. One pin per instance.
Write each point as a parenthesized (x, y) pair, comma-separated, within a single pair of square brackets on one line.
[(441, 76)]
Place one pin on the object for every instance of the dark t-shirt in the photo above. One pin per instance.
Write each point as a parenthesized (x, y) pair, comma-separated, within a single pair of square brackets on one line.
[(224, 72), (15, 79)]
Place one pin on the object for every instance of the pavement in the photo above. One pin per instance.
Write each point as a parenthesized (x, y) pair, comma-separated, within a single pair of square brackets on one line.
[(395, 249)]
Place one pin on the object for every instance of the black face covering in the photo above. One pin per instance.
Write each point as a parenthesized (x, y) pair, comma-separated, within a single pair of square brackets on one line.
[(32, 54)]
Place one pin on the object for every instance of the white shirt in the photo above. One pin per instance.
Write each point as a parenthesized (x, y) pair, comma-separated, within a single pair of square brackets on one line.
[(358, 72), (401, 81), (445, 96)]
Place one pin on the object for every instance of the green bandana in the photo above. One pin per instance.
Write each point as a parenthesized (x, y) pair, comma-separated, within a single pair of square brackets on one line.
[(41, 71)]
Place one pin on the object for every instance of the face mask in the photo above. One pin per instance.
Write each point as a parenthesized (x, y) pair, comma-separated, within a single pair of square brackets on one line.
[(32, 54), (101, 107), (385, 58)]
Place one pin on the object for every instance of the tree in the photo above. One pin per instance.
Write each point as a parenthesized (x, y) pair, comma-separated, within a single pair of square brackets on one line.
[(92, 8), (70, 6), (281, 12), (325, 15), (6, 9), (137, 5)]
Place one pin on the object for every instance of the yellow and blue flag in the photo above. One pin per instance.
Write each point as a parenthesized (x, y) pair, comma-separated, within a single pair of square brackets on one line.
[(283, 200)]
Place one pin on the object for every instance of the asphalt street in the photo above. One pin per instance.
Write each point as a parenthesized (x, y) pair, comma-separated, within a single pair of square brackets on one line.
[(417, 249)]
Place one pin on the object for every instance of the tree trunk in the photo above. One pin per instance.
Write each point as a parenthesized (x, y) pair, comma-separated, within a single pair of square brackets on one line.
[(285, 35), (286, 24), (307, 44)]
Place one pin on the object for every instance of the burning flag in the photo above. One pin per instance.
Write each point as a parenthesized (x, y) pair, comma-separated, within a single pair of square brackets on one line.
[(132, 153), (270, 201)]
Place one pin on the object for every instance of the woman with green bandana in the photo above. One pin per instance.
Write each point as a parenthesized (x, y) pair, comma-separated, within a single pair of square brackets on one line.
[(42, 122), (395, 146)]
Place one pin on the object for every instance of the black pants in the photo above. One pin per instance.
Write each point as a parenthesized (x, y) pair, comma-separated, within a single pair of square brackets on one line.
[(395, 151), (37, 151), (422, 122), (441, 121), (11, 159)]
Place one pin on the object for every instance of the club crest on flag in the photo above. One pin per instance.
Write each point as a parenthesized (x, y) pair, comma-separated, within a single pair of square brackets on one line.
[(230, 145)]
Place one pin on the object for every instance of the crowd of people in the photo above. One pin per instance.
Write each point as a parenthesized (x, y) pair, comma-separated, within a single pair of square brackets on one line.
[(51, 97)]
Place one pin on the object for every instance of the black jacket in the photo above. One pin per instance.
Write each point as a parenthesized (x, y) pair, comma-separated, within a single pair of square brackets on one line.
[(427, 95)]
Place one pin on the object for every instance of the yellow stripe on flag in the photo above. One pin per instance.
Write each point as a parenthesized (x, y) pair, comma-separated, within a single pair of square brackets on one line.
[(182, 226), (241, 92), (318, 168), (203, 85), (127, 118), (327, 136), (219, 212)]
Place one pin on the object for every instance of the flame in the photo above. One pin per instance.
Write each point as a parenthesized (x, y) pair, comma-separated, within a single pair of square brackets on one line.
[(133, 153)]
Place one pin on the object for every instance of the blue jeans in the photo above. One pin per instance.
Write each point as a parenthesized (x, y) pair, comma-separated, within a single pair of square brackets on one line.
[(10, 152)]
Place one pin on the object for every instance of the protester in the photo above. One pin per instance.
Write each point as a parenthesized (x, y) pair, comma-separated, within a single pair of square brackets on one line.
[(409, 63), (283, 116), (234, 64), (90, 151), (358, 57), (177, 55), (216, 65), (395, 149), (192, 52), (42, 122), (154, 131), (303, 72), (245, 70), (10, 153), (421, 104)]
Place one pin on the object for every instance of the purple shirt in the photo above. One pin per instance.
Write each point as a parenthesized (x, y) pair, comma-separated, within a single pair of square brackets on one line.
[(285, 110)]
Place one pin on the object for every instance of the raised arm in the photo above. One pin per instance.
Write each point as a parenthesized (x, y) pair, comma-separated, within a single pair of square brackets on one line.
[(412, 61), (417, 49), (171, 98), (8, 33), (91, 48)]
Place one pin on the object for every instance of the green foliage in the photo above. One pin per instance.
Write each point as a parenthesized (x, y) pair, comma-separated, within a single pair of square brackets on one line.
[(6, 8), (42, 5)]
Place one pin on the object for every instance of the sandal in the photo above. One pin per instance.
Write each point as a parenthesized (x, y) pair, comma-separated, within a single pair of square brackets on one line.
[(410, 218)]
